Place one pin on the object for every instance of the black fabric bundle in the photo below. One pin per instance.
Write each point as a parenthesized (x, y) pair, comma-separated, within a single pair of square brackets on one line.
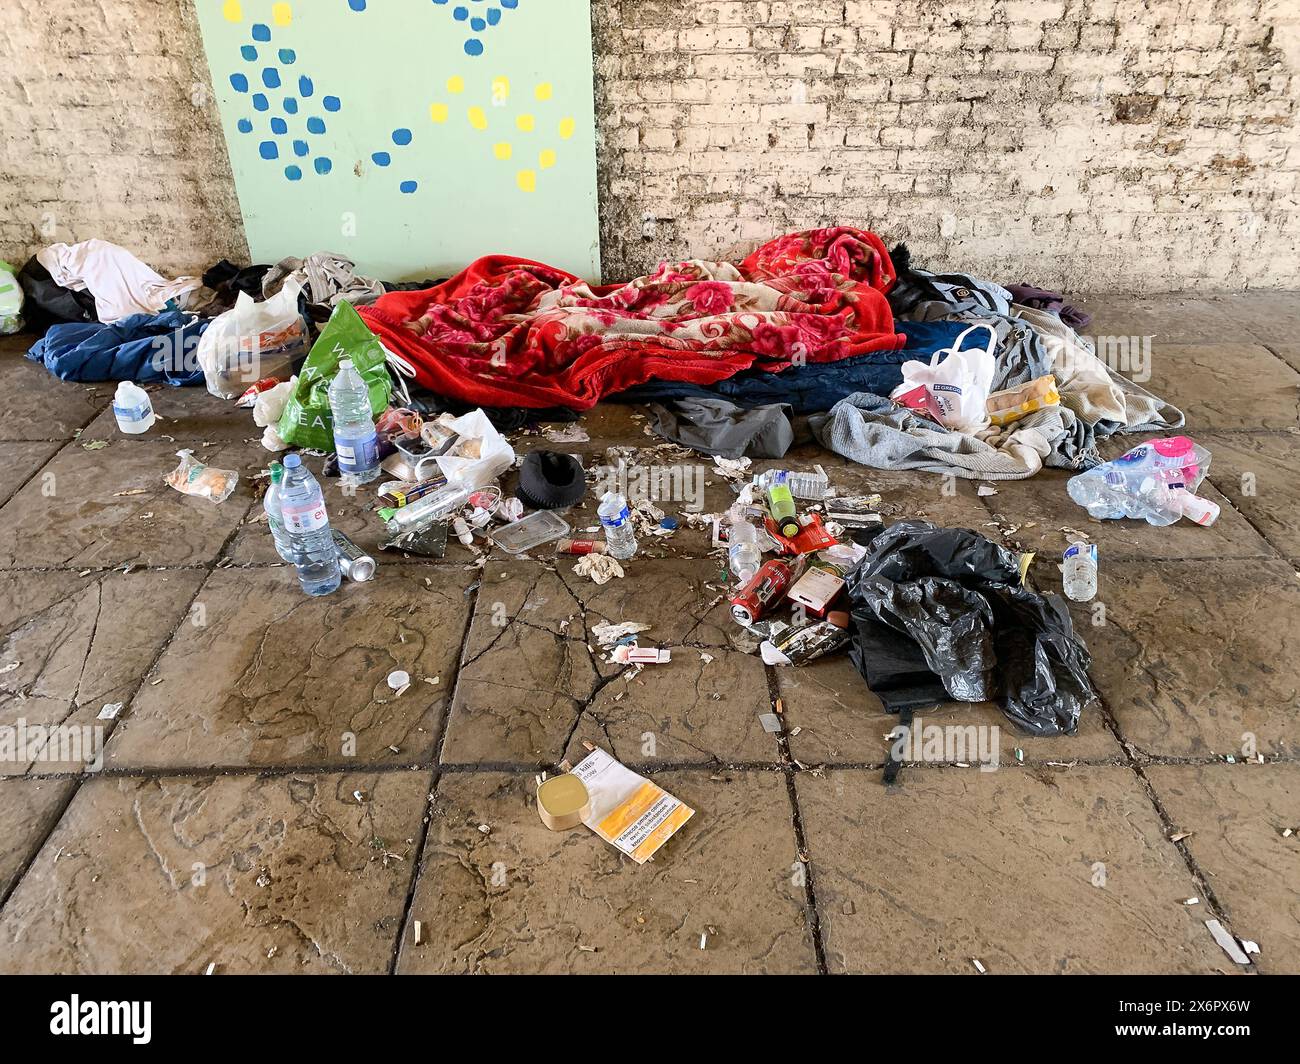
[(940, 614), (549, 480)]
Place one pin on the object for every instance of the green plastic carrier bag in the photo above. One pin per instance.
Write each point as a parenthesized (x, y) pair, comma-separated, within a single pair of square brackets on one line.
[(307, 421)]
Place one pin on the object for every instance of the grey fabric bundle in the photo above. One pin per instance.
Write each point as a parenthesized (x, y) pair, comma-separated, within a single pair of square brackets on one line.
[(715, 426)]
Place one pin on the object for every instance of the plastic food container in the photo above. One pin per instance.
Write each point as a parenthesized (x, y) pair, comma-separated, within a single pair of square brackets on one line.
[(534, 530)]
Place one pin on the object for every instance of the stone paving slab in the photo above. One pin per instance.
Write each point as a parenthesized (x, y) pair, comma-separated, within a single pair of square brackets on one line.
[(80, 642), (19, 462), (78, 514), (281, 874), (1258, 472), (1226, 385), (28, 810), (187, 415), (1236, 815), (272, 677), (520, 898), (1169, 319), (956, 865), (1195, 656), (39, 406)]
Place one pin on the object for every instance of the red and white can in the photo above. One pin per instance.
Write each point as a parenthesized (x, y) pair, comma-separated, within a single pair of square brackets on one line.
[(765, 589)]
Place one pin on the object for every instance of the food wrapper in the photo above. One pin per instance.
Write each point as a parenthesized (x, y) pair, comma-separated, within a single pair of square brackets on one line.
[(192, 477), (629, 812)]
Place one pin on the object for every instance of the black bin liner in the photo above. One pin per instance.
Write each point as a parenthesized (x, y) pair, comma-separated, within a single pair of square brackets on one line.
[(939, 614)]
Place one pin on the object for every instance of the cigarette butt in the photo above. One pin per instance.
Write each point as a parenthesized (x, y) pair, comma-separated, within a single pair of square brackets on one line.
[(419, 928)]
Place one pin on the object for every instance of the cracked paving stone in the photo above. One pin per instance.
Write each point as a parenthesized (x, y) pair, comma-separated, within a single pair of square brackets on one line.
[(255, 875), (264, 675), (28, 809), (39, 406), (19, 462), (1288, 352), (1236, 815), (524, 899), (1260, 473), (82, 642), (1194, 657), (840, 721), (1039, 508), (1226, 386), (74, 516), (531, 665), (953, 865)]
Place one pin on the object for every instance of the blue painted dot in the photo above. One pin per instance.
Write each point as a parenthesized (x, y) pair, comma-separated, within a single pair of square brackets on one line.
[(261, 32), (357, 5), (249, 53), (323, 165), (478, 25), (401, 137), (260, 102), (473, 46), (238, 82), (409, 186), (305, 87), (331, 103), (301, 149), (315, 125), (293, 173), (509, 5), (382, 158), (271, 78), (494, 16), (279, 127), (268, 150), (245, 126), (460, 14), (290, 105), (288, 56)]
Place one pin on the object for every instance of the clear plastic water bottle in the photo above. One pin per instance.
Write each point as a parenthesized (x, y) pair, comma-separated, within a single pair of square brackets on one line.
[(620, 537), (133, 409), (1148, 482), (1079, 571), (302, 507), (743, 555), (274, 515), (354, 426)]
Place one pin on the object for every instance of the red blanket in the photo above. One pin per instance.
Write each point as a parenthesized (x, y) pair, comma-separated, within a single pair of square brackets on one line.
[(510, 332)]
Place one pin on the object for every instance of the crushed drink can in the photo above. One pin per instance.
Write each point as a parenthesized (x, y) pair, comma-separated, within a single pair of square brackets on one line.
[(356, 564), (763, 591)]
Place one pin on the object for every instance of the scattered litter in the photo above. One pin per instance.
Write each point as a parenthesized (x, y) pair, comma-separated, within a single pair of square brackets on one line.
[(601, 568), (985, 490), (978, 966), (706, 658), (485, 829), (607, 635), (95, 445), (563, 802), (645, 655), (110, 711), (212, 968), (629, 812), (359, 796), (771, 723), (130, 491), (398, 680), (1191, 901), (732, 468), (1249, 946), (1226, 942), (1178, 836), (192, 477), (704, 939), (573, 433)]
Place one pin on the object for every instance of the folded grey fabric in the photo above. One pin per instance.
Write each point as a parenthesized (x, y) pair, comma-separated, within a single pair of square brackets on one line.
[(877, 432), (327, 278), (715, 426)]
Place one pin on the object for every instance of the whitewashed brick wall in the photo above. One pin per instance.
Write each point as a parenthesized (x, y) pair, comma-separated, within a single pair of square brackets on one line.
[(1095, 145)]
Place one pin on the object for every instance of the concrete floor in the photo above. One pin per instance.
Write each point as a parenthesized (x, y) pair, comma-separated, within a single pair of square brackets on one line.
[(225, 829)]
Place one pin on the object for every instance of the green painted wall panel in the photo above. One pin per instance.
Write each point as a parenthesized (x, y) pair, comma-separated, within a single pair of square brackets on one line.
[(410, 135)]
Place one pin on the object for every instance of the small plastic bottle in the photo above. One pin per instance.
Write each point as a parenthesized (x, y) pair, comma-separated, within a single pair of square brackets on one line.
[(355, 440), (1079, 571), (133, 409), (305, 519), (780, 504), (275, 516), (743, 555), (620, 537)]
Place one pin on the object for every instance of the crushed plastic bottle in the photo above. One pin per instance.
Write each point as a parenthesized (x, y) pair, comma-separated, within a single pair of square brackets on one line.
[(743, 553), (133, 409), (306, 520), (620, 537), (274, 515), (355, 440), (1079, 571), (1154, 481)]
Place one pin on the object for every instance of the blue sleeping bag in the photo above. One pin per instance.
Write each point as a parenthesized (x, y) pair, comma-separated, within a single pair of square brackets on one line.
[(144, 348)]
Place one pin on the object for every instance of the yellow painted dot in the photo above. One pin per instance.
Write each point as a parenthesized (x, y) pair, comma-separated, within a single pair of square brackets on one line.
[(281, 14), (525, 123), (233, 11), (502, 150), (438, 112), (527, 180), (546, 159), (455, 83), (543, 91), (477, 118), (500, 90), (567, 126)]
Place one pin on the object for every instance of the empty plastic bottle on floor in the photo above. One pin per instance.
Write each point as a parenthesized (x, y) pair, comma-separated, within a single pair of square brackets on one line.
[(133, 409), (620, 537), (354, 426), (743, 554), (305, 519), (1154, 481), (1079, 571), (274, 515)]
